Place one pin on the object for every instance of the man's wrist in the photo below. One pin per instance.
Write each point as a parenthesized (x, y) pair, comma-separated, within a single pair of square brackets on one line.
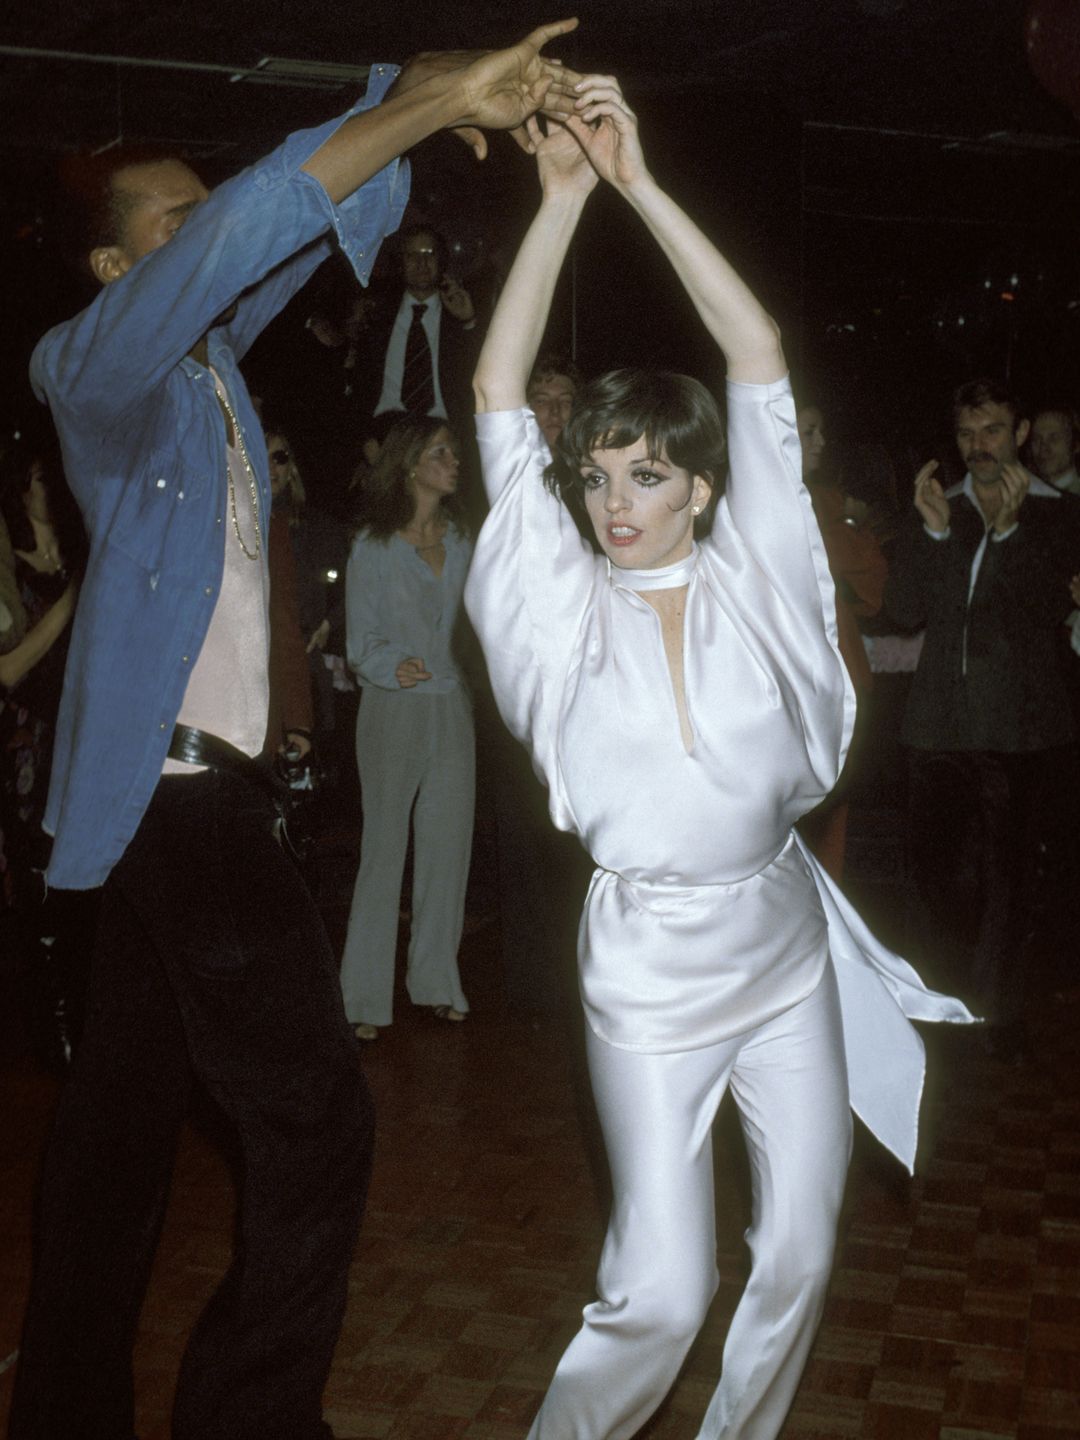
[(440, 95)]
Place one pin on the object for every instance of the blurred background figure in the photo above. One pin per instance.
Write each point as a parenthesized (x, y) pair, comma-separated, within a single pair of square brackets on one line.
[(553, 384), (1055, 437), (985, 566), (420, 339), (859, 571), (415, 747), (319, 547), (543, 872), (51, 934)]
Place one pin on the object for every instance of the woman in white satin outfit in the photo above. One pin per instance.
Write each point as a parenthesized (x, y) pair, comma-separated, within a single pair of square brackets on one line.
[(685, 701)]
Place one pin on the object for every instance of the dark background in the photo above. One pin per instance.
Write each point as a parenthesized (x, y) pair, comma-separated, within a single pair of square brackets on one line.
[(889, 173)]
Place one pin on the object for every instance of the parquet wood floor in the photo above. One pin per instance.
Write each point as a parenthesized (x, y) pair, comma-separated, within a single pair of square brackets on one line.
[(954, 1311)]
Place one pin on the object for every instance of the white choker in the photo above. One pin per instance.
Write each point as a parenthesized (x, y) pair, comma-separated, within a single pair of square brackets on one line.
[(667, 577)]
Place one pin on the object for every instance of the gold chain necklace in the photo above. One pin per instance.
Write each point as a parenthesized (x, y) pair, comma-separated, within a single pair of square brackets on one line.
[(253, 485)]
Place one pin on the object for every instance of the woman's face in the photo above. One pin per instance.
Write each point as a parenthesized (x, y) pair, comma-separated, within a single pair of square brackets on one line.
[(36, 494), (812, 436), (281, 462), (436, 471), (641, 508)]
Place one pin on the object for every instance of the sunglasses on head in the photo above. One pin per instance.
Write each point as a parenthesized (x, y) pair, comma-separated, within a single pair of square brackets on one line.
[(280, 457)]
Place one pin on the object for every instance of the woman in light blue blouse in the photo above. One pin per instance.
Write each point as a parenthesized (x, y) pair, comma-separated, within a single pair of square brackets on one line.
[(415, 746)]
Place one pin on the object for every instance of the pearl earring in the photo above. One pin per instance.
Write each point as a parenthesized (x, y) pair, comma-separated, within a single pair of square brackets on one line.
[(696, 510)]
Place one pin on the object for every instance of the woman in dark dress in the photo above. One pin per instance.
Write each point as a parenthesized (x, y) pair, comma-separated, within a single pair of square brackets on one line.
[(48, 934)]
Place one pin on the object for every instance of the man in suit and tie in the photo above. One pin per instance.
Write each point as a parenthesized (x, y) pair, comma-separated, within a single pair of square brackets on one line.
[(420, 355)]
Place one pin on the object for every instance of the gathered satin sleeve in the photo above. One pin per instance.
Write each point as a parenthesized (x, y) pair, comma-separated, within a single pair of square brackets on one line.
[(529, 585), (767, 518)]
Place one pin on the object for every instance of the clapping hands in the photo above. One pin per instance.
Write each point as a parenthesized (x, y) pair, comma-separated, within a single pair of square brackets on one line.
[(930, 499)]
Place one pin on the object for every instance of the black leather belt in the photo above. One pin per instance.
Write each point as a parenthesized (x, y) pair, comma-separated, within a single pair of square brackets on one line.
[(199, 747)]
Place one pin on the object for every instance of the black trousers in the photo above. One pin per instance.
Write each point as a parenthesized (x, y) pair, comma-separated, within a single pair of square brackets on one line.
[(212, 969), (981, 824)]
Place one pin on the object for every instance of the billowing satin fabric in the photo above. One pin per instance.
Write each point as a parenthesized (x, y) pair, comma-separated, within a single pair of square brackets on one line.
[(705, 917), (658, 1274)]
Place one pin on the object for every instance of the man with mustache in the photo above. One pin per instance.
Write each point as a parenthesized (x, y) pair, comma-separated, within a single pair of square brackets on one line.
[(985, 567)]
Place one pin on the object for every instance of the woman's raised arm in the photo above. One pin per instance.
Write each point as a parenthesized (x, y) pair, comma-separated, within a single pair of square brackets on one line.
[(736, 320), (517, 326)]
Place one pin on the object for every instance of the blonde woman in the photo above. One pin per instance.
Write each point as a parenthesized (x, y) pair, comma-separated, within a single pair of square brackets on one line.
[(415, 746)]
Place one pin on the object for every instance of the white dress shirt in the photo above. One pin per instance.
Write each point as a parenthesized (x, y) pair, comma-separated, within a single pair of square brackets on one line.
[(394, 368)]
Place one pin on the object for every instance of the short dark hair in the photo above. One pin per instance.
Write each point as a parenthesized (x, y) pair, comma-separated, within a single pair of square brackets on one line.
[(410, 233), (974, 394), (1068, 413), (96, 211), (554, 362), (675, 414), (385, 503)]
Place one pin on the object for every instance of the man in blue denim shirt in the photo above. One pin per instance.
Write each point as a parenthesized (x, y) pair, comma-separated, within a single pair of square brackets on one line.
[(212, 968)]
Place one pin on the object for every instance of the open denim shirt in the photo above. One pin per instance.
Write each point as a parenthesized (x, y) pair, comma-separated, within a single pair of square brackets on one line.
[(143, 441)]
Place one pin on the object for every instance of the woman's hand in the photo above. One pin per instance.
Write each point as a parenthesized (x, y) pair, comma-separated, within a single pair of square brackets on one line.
[(561, 161), (319, 636), (608, 132), (410, 672)]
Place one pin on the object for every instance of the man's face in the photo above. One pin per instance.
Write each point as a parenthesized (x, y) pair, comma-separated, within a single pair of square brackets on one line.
[(420, 264), (551, 400), (157, 198), (989, 438), (1051, 444)]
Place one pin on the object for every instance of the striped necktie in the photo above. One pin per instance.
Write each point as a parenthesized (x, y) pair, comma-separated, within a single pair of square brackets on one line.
[(417, 384)]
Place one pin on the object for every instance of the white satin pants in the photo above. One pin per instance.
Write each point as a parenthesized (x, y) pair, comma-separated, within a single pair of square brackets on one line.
[(417, 759), (657, 1272)]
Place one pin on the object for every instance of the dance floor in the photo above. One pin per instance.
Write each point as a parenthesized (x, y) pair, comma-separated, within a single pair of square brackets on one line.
[(954, 1310)]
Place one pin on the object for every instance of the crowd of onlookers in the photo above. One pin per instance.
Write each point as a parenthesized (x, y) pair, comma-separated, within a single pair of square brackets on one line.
[(968, 592)]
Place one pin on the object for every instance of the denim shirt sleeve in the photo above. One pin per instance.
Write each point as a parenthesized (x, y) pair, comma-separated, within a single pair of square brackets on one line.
[(271, 223)]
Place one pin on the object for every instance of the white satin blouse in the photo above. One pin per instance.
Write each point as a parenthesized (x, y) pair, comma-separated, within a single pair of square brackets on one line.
[(706, 915)]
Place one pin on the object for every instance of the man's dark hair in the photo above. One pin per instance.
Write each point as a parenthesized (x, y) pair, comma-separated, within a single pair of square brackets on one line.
[(1068, 412), (676, 415), (554, 362), (974, 394), (95, 211), (410, 233)]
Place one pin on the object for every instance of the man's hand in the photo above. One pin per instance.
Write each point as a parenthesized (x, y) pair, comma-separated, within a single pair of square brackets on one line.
[(297, 743), (1013, 485), (410, 672), (560, 157), (930, 499), (502, 89), (498, 89), (456, 300), (608, 131)]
